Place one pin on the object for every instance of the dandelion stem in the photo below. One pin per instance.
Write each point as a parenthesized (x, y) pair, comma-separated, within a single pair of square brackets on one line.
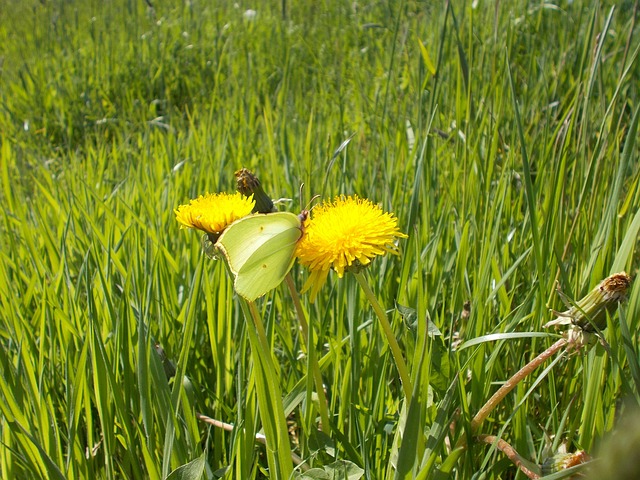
[(589, 312), (512, 454), (257, 322), (403, 371), (302, 318), (269, 395), (309, 342), (510, 384)]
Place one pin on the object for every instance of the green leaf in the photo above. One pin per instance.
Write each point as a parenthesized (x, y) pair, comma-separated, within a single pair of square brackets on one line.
[(315, 474), (189, 471), (340, 470), (426, 58)]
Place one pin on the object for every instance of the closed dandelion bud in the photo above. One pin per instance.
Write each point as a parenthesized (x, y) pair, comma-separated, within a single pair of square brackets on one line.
[(247, 184), (591, 310)]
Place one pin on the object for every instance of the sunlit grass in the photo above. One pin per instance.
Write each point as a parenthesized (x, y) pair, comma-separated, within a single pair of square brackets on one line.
[(503, 139)]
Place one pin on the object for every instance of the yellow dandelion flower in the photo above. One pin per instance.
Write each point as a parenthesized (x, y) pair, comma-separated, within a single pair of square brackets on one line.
[(212, 212), (348, 232)]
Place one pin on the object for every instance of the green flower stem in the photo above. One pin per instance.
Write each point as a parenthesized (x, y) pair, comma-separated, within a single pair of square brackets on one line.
[(510, 384), (270, 404), (259, 327), (310, 343), (302, 318), (403, 371)]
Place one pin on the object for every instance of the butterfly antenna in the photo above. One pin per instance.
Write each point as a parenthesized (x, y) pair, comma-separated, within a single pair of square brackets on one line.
[(300, 192), (309, 206), (313, 199)]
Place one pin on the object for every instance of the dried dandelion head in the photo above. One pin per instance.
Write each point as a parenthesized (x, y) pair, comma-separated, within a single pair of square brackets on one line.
[(590, 312)]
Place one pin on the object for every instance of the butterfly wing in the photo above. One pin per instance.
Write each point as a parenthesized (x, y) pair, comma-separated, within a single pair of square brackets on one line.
[(268, 266), (259, 250)]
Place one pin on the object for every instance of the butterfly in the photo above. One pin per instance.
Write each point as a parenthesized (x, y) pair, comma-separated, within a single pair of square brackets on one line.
[(260, 250)]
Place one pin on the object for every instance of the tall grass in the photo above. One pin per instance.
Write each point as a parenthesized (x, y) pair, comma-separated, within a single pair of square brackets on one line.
[(502, 136)]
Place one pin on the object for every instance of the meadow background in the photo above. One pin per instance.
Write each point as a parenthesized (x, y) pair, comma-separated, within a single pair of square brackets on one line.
[(501, 134)]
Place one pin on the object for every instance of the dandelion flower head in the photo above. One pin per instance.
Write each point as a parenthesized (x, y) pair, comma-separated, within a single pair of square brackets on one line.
[(350, 231), (212, 212)]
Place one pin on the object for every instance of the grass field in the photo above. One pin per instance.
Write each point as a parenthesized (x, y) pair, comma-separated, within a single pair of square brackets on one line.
[(502, 135)]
